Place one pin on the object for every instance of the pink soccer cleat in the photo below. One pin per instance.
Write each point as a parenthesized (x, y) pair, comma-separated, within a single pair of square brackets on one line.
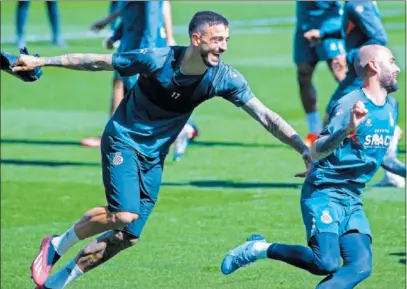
[(43, 263)]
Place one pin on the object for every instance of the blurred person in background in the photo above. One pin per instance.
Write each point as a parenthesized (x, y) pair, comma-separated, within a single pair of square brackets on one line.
[(326, 17), (53, 16)]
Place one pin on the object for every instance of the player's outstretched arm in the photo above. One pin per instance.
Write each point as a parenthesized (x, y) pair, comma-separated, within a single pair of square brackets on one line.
[(275, 124), (77, 61), (394, 166)]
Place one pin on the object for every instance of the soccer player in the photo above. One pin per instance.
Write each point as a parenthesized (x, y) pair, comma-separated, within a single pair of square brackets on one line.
[(53, 15), (326, 17), (348, 152), (361, 25), (172, 82), (7, 61)]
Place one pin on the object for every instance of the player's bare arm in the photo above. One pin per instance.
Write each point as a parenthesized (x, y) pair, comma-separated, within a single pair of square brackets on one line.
[(394, 166), (325, 145), (77, 61), (275, 124)]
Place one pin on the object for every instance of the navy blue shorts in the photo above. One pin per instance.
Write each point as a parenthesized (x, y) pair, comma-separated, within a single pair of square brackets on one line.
[(132, 181), (327, 49)]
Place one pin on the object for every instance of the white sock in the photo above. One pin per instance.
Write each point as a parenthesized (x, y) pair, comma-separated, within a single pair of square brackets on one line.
[(314, 122), (260, 249), (65, 241), (63, 277)]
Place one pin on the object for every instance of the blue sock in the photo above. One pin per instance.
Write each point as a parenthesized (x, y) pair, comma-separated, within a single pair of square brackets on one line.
[(53, 16), (314, 122), (21, 17), (322, 258), (298, 256)]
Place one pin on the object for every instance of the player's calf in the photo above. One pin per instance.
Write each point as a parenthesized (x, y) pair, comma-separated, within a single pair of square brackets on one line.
[(104, 248), (307, 89), (94, 254)]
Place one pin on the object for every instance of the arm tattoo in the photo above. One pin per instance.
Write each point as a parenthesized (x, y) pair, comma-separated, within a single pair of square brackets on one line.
[(87, 61), (103, 248), (275, 124), (324, 146), (394, 166)]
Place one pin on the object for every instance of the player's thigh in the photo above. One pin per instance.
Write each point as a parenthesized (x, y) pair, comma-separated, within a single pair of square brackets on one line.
[(150, 183), (303, 51), (329, 49), (357, 221), (120, 176), (320, 213)]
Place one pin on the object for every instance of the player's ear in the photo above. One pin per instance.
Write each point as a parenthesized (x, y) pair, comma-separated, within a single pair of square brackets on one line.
[(196, 38), (372, 65)]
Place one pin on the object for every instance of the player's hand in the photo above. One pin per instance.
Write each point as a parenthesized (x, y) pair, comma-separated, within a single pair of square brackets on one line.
[(306, 156), (108, 43), (26, 63), (313, 35), (339, 62), (358, 114), (99, 25), (171, 41)]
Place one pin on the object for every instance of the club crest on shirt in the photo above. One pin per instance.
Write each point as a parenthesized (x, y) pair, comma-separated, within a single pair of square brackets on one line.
[(326, 217), (368, 122), (117, 159), (359, 8)]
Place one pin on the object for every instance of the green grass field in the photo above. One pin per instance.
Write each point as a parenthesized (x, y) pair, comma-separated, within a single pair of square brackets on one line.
[(236, 180)]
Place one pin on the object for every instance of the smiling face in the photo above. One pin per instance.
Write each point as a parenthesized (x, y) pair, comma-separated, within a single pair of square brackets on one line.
[(212, 43), (209, 33), (387, 70)]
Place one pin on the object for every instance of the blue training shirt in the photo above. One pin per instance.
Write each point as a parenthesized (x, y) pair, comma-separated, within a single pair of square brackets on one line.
[(359, 156), (361, 26), (322, 15), (155, 110)]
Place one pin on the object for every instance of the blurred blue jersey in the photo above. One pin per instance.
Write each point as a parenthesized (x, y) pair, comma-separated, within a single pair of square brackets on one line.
[(322, 15)]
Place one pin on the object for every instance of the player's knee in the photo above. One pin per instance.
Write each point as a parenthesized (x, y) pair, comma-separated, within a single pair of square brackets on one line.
[(328, 265), (129, 240), (363, 269), (124, 218), (304, 73)]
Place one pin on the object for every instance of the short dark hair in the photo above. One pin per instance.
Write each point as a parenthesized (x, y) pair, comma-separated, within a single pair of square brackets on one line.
[(202, 18)]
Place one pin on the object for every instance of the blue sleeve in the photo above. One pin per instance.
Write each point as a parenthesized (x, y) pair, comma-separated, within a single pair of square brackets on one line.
[(152, 13), (234, 88), (331, 31), (364, 16), (339, 118), (332, 26), (145, 60), (118, 31)]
